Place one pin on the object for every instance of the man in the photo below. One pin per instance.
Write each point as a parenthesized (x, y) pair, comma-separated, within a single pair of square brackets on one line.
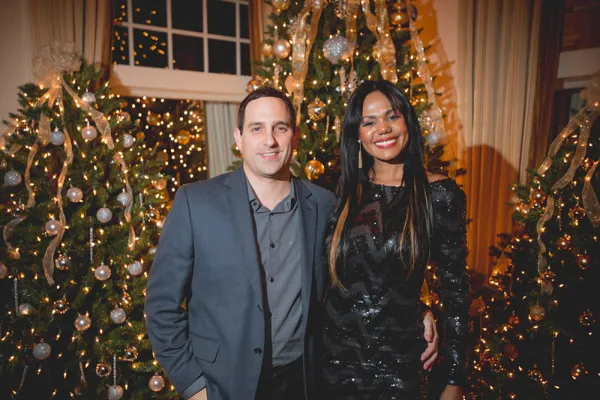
[(246, 251)]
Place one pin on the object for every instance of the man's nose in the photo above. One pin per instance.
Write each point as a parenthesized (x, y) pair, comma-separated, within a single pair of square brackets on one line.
[(270, 139)]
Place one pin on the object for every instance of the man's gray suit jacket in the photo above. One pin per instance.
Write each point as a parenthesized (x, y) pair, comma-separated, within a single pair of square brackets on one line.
[(207, 261)]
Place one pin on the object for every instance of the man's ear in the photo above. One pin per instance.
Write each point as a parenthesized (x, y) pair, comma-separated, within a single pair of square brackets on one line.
[(237, 135)]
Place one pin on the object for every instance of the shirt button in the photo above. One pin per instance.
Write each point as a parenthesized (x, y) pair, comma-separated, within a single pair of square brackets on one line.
[(271, 279), (258, 350), (272, 245)]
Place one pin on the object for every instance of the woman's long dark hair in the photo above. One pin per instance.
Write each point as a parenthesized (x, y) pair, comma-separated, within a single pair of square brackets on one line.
[(412, 208)]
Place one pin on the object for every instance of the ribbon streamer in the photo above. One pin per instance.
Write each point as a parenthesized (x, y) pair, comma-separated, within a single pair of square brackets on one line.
[(590, 201), (7, 233), (379, 26)]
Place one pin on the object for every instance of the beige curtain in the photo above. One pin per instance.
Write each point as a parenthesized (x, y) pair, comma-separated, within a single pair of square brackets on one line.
[(87, 23), (498, 47), (220, 122)]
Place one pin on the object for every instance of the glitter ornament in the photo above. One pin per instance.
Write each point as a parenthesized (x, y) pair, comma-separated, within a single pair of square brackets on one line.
[(104, 215), (74, 194), (128, 140), (135, 268), (102, 272), (57, 138), (255, 83), (267, 50), (24, 310), (336, 48), (103, 369), (578, 371), (123, 116), (61, 306), (183, 137), (511, 352), (41, 351), (124, 198), (12, 178), (82, 322), (89, 133), (115, 392), (156, 383), (537, 312), (3, 270), (88, 97), (316, 109), (586, 319), (564, 243), (282, 48), (314, 169), (53, 227), (62, 262), (118, 315), (583, 261), (130, 354)]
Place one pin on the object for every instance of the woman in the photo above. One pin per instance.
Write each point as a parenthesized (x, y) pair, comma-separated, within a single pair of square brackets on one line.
[(392, 218)]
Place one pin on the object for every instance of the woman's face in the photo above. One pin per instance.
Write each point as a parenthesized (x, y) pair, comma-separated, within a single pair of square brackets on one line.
[(382, 129)]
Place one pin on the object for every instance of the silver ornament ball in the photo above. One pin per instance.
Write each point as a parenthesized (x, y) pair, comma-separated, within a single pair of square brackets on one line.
[(135, 268), (4, 270), (115, 392), (57, 138), (62, 262), (102, 272), (89, 133), (124, 199), (128, 140), (336, 48), (156, 383), (118, 315), (41, 351), (82, 323), (104, 215), (24, 309), (88, 97), (53, 227), (75, 194), (12, 178), (103, 369)]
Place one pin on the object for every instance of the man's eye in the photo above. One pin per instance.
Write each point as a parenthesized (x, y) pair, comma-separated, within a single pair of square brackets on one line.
[(282, 128)]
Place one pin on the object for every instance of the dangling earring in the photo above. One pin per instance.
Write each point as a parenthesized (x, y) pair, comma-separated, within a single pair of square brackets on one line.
[(360, 164)]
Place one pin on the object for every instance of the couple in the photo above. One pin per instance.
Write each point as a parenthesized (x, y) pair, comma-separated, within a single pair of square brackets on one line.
[(290, 294)]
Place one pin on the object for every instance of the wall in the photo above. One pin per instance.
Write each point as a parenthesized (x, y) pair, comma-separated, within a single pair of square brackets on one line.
[(16, 49)]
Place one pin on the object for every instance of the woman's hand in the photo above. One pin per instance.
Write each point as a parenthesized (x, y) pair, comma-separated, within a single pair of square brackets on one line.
[(452, 393), (431, 336)]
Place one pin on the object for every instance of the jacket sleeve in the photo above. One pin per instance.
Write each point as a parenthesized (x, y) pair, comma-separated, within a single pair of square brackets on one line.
[(168, 282)]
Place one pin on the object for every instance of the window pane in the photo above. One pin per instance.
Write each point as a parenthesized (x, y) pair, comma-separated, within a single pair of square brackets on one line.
[(120, 49), (221, 57), (150, 12), (187, 14), (150, 48), (121, 11), (188, 53), (245, 55), (221, 18), (244, 21)]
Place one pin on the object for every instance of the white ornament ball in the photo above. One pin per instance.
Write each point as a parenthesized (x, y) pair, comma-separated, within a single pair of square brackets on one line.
[(156, 383), (82, 323), (128, 140), (89, 133), (336, 48), (102, 272), (41, 351), (115, 392), (135, 268), (124, 199), (104, 215), (118, 315), (282, 48), (88, 97), (4, 270), (24, 309), (75, 194), (12, 178), (53, 227), (57, 138)]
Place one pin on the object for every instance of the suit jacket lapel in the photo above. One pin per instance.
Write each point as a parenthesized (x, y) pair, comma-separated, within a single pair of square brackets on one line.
[(243, 227), (308, 215)]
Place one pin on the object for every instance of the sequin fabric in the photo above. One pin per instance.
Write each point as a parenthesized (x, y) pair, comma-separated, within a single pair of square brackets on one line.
[(373, 329)]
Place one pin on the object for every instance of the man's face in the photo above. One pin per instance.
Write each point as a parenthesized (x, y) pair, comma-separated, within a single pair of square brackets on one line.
[(267, 141)]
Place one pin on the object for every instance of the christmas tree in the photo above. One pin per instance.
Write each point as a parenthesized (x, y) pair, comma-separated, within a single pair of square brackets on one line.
[(80, 211), (536, 319), (319, 51)]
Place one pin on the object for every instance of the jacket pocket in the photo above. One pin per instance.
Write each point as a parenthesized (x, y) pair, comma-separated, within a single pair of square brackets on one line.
[(204, 348)]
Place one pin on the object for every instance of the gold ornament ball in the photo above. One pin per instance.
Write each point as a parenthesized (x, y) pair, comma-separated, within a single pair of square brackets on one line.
[(537, 313), (153, 213), (282, 48), (236, 151), (583, 261), (399, 17), (156, 383), (564, 243), (281, 5), (103, 369), (152, 119), (140, 136), (578, 371), (183, 137), (61, 306), (316, 109), (255, 83), (160, 183), (586, 319), (314, 169), (511, 352), (267, 50), (514, 319), (130, 354)]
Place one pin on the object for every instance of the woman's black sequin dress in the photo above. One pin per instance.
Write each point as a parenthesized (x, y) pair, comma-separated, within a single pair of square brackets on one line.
[(373, 330)]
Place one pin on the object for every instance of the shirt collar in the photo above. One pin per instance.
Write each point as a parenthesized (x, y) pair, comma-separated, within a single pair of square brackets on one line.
[(286, 204)]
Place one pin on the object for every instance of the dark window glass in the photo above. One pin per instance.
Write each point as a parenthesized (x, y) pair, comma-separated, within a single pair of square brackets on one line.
[(245, 58), (187, 15), (221, 58), (121, 11), (150, 12), (221, 18), (244, 21), (150, 48), (120, 49), (188, 53)]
